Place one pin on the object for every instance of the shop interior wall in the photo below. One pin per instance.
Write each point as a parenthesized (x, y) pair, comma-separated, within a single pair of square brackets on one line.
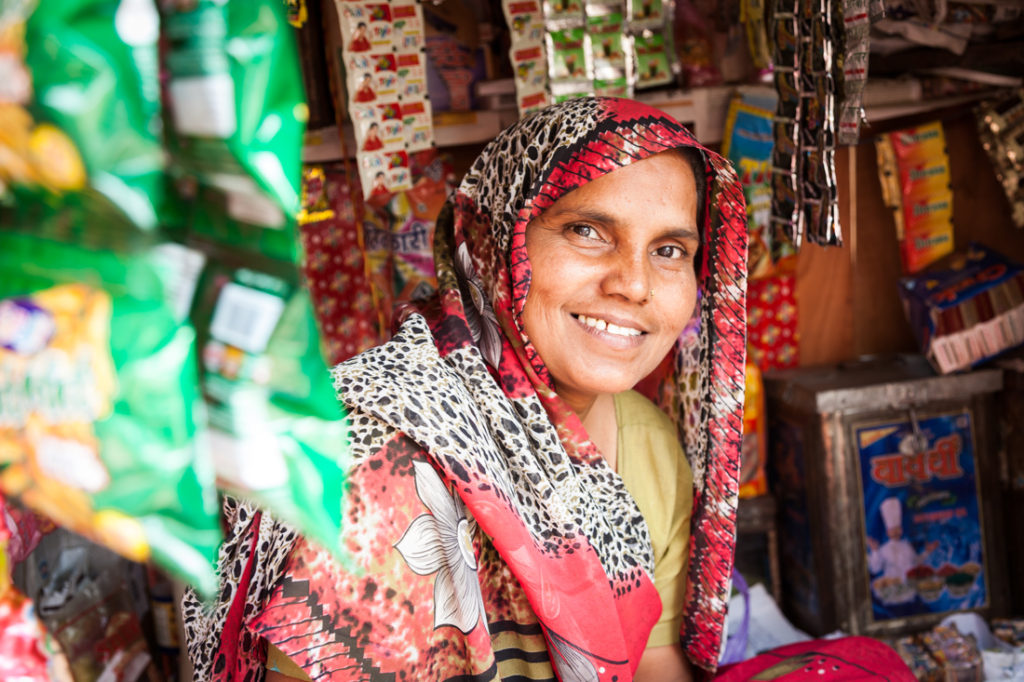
[(848, 297)]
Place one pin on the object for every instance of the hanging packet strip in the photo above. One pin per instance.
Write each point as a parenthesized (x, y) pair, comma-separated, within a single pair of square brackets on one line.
[(527, 54), (79, 106), (99, 412), (383, 49), (237, 108), (1001, 129)]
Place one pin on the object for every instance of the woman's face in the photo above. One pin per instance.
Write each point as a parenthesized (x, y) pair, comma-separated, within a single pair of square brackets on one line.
[(596, 255)]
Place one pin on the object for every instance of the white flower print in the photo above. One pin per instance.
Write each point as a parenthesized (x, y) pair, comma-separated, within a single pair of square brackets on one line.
[(483, 324), (441, 542), (570, 664)]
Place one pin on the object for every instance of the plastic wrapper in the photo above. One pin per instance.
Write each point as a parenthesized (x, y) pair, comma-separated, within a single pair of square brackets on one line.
[(856, 52), (956, 654), (277, 432), (966, 309), (89, 601), (79, 106), (237, 109), (805, 198), (100, 411)]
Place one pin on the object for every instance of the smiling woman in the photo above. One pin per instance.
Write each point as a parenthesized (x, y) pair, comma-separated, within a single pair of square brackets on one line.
[(514, 510)]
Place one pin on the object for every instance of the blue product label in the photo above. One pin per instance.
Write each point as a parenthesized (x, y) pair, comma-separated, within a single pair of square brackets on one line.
[(924, 542)]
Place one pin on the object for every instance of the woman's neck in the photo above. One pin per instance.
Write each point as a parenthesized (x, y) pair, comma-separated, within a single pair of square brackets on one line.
[(602, 427)]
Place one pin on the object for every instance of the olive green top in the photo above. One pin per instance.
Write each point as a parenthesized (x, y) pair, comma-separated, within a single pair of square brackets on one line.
[(657, 474)]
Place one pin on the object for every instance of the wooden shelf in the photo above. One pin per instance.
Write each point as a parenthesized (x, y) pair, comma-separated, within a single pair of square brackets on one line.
[(703, 110)]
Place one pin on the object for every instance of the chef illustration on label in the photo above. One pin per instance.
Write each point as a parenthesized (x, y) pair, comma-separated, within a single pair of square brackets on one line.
[(895, 557)]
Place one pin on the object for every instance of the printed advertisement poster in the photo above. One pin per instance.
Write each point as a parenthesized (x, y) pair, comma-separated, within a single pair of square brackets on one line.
[(924, 537)]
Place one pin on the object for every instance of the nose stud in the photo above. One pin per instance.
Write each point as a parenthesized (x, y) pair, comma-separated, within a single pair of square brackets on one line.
[(650, 296)]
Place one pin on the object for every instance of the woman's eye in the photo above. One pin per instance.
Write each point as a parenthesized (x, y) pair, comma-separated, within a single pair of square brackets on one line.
[(671, 251), (585, 231)]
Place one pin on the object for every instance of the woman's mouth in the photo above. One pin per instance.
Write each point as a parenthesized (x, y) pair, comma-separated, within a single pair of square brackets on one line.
[(608, 327)]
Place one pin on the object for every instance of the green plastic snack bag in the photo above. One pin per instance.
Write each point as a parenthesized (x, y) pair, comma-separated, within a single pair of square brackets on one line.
[(100, 414), (236, 107), (278, 434), (79, 106)]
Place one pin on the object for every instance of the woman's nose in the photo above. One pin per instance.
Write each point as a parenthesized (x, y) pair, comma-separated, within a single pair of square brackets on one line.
[(628, 276)]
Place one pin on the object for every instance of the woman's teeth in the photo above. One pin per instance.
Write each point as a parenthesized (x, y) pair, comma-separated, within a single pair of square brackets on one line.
[(607, 326)]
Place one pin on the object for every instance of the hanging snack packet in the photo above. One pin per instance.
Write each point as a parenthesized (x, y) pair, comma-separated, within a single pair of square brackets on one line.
[(237, 108), (277, 432), (334, 264), (571, 73), (653, 65), (609, 46), (79, 106), (647, 13), (99, 405), (914, 173), (753, 479), (561, 13), (749, 143)]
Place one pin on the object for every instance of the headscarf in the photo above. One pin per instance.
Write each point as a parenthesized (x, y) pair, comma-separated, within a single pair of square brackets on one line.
[(518, 176), (485, 441)]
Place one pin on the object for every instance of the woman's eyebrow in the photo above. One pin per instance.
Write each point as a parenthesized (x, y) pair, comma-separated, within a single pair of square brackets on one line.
[(600, 217)]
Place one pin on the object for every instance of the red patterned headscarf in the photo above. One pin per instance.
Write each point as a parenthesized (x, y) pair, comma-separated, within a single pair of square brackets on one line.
[(484, 277)]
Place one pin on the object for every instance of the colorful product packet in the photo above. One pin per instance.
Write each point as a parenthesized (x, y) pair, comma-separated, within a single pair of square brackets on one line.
[(653, 63), (773, 339), (914, 174), (99, 404), (753, 478), (561, 13), (244, 141), (749, 143), (80, 107), (334, 264), (609, 45), (967, 309), (570, 70)]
